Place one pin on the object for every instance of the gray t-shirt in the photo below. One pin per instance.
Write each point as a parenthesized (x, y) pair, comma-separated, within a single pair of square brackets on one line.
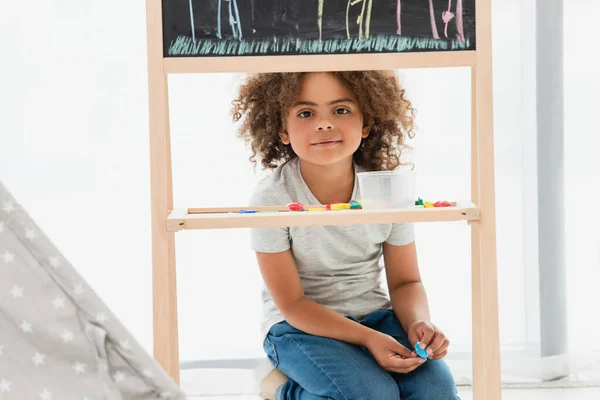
[(339, 266)]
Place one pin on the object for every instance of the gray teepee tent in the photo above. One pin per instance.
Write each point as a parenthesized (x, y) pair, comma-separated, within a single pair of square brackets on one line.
[(58, 340)]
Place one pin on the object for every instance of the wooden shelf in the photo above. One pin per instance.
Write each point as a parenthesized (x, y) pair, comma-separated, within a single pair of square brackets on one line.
[(328, 62), (179, 219)]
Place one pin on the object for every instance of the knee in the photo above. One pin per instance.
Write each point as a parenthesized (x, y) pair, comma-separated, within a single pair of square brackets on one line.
[(379, 387), (442, 389), (434, 382), (385, 390)]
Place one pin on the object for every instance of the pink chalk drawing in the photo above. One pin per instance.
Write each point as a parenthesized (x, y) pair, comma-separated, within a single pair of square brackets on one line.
[(459, 21), (434, 31), (447, 17), (398, 12)]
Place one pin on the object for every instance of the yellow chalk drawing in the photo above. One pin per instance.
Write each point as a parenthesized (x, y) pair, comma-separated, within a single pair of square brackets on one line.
[(368, 22), (320, 18), (361, 17)]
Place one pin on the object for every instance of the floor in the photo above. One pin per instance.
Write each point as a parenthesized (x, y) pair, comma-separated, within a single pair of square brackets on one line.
[(507, 394)]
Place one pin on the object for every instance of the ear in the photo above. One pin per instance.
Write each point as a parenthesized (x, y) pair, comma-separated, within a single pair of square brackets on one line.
[(285, 138), (365, 131)]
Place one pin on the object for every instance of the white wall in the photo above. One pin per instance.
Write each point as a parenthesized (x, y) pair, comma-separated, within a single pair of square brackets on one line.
[(582, 169), (74, 151)]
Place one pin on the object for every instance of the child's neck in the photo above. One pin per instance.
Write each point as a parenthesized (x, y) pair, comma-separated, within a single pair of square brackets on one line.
[(329, 183)]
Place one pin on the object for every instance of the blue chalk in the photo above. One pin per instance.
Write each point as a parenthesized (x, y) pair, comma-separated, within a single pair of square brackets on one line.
[(420, 352)]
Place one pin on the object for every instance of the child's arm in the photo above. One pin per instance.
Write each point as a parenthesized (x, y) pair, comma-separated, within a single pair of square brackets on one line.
[(281, 278), (409, 299), (407, 292)]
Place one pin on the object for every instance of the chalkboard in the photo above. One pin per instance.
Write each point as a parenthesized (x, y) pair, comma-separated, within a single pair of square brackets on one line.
[(213, 28)]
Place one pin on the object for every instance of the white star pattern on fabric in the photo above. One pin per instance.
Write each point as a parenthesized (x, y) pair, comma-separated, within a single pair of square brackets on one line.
[(125, 344), (67, 336), (147, 372), (8, 257), (16, 291), (39, 358), (58, 302), (119, 377), (26, 327), (56, 322), (78, 289), (101, 317), (8, 208), (30, 234), (79, 368), (54, 262), (4, 386)]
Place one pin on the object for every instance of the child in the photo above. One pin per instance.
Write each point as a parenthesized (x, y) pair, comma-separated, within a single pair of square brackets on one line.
[(328, 323)]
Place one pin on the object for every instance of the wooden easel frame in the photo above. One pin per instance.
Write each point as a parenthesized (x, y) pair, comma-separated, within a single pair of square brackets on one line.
[(479, 212)]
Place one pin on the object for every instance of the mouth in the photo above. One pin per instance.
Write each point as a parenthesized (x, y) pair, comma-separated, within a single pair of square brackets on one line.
[(327, 143)]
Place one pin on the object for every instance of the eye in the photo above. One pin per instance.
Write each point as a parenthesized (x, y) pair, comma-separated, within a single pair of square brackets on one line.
[(305, 114), (341, 111)]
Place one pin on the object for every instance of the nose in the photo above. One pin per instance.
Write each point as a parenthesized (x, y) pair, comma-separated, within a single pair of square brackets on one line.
[(324, 125)]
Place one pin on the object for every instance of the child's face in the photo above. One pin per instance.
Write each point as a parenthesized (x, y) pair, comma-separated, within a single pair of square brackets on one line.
[(325, 124)]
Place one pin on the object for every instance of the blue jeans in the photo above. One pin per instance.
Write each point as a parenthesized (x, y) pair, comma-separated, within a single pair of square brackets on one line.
[(322, 368)]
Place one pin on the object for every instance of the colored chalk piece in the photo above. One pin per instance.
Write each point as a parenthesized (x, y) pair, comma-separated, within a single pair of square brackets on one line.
[(328, 206), (428, 204), (340, 206), (317, 209), (355, 205), (295, 206), (420, 352), (442, 204), (246, 211)]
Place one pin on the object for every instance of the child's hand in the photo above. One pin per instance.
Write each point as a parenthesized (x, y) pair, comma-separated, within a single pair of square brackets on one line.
[(391, 355), (430, 338)]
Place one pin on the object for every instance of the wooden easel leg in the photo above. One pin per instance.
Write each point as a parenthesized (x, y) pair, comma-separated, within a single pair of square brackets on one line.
[(164, 285), (477, 319), (164, 294), (486, 342), (173, 326)]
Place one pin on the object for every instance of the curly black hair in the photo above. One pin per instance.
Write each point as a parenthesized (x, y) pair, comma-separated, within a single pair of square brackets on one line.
[(265, 98)]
